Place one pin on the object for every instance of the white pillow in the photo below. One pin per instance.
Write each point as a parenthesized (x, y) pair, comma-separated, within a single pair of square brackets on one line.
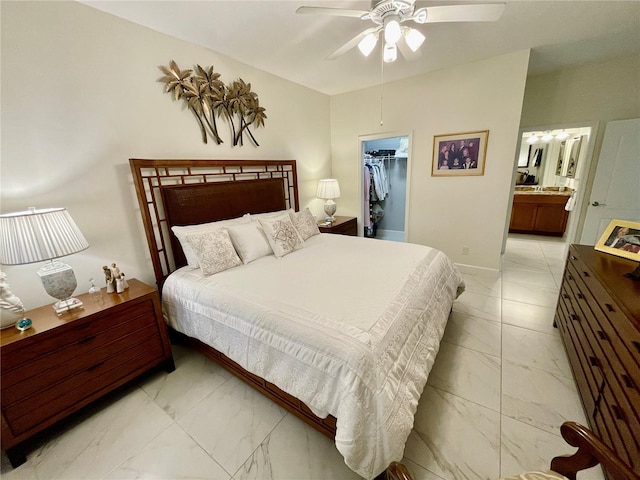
[(282, 235), (181, 234), (305, 223), (250, 241), (270, 215), (214, 250)]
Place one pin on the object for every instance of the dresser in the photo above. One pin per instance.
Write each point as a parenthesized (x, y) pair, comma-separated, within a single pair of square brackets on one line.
[(341, 226), (65, 362), (598, 315)]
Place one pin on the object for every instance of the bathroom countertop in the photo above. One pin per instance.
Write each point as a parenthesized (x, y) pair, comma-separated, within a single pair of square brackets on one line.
[(533, 190)]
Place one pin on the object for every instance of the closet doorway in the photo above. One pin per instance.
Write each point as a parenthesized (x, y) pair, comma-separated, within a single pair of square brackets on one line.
[(385, 170)]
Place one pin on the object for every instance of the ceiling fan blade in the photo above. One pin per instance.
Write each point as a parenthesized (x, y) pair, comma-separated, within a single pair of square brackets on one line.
[(337, 12), (463, 13), (352, 43)]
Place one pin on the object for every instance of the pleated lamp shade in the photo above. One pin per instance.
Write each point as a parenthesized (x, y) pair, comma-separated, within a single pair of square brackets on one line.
[(38, 235)]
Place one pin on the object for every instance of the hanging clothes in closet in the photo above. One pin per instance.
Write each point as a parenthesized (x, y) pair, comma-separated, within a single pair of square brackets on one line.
[(376, 189)]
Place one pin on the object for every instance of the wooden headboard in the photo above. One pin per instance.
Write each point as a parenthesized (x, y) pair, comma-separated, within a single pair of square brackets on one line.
[(189, 192)]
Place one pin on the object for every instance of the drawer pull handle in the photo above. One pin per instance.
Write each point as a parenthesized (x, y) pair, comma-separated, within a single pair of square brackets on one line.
[(619, 414), (636, 344), (573, 257), (594, 361), (580, 296), (585, 274), (603, 336), (610, 307), (627, 381), (569, 276), (83, 326), (93, 367), (87, 340), (575, 317), (565, 295)]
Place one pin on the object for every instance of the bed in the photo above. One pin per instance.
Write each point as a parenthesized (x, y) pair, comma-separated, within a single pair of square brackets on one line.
[(342, 331)]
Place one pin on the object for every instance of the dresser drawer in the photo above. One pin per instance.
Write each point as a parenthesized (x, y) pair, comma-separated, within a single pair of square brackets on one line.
[(75, 333), (30, 412), (622, 428), (55, 368), (584, 360)]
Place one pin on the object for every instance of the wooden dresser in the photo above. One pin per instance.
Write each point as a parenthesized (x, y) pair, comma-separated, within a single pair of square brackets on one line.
[(598, 315), (65, 362)]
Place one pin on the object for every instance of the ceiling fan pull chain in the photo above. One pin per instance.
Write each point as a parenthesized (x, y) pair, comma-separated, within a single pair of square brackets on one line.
[(381, 83)]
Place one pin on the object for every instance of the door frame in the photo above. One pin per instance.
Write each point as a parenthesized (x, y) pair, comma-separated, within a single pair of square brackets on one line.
[(579, 212), (378, 136)]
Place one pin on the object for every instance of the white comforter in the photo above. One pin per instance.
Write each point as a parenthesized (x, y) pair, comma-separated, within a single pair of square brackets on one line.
[(348, 325)]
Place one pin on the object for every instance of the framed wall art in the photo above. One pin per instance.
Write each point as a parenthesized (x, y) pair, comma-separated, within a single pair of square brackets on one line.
[(459, 154), (621, 238)]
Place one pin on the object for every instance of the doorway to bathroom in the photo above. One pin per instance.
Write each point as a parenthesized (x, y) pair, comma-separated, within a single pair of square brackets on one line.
[(384, 163)]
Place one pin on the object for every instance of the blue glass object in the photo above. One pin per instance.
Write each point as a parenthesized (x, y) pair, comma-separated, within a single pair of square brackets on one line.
[(24, 324)]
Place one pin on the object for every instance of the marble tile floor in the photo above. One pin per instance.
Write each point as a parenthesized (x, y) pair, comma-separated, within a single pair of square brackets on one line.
[(499, 390)]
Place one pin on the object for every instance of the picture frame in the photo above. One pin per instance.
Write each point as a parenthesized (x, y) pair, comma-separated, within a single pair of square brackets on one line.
[(621, 238), (471, 163)]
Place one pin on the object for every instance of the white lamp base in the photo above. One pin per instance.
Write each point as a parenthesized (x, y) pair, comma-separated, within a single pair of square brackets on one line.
[(60, 282), (330, 208)]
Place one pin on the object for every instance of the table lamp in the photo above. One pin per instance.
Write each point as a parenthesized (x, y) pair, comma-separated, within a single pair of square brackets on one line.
[(328, 189), (44, 235)]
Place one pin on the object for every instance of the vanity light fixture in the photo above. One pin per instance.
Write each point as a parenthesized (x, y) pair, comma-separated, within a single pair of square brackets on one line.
[(563, 135), (532, 139), (547, 137)]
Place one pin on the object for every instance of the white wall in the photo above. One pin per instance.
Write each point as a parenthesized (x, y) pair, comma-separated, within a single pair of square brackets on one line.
[(587, 94), (80, 97), (445, 212)]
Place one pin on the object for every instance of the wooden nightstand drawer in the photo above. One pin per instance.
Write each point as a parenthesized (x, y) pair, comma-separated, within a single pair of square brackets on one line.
[(34, 347), (18, 384), (341, 226), (41, 406)]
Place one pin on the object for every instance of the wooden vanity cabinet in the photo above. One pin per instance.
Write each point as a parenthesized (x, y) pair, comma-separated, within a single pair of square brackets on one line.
[(542, 214)]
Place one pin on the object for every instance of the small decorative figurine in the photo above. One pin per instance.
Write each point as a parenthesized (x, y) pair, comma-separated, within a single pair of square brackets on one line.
[(12, 309), (115, 279)]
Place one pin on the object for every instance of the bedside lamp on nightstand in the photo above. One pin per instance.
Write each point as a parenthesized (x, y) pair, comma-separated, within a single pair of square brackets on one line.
[(39, 235), (328, 189)]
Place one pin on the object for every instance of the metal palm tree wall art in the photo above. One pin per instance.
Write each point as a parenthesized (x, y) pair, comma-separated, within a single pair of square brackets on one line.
[(207, 97)]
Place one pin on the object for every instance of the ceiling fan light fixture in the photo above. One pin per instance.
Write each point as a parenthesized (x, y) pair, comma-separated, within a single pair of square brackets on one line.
[(368, 43), (390, 53), (392, 30), (414, 39)]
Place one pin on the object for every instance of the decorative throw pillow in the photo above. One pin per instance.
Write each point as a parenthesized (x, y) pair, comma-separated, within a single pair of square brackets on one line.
[(250, 241), (305, 223), (181, 233), (282, 235), (214, 250)]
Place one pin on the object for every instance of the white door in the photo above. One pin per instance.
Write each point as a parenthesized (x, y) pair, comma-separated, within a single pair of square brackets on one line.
[(616, 187)]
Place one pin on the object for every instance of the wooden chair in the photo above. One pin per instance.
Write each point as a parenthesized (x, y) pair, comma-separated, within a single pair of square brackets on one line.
[(591, 452)]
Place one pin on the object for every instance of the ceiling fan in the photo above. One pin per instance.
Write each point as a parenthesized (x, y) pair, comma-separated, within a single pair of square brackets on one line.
[(389, 16)]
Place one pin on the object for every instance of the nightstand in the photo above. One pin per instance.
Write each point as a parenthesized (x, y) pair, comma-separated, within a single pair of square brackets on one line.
[(63, 363), (341, 226)]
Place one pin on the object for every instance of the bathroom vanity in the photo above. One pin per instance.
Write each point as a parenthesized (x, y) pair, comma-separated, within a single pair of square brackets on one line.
[(539, 211)]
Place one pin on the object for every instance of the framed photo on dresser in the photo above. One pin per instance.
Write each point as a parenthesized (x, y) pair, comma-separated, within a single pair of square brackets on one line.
[(621, 238)]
